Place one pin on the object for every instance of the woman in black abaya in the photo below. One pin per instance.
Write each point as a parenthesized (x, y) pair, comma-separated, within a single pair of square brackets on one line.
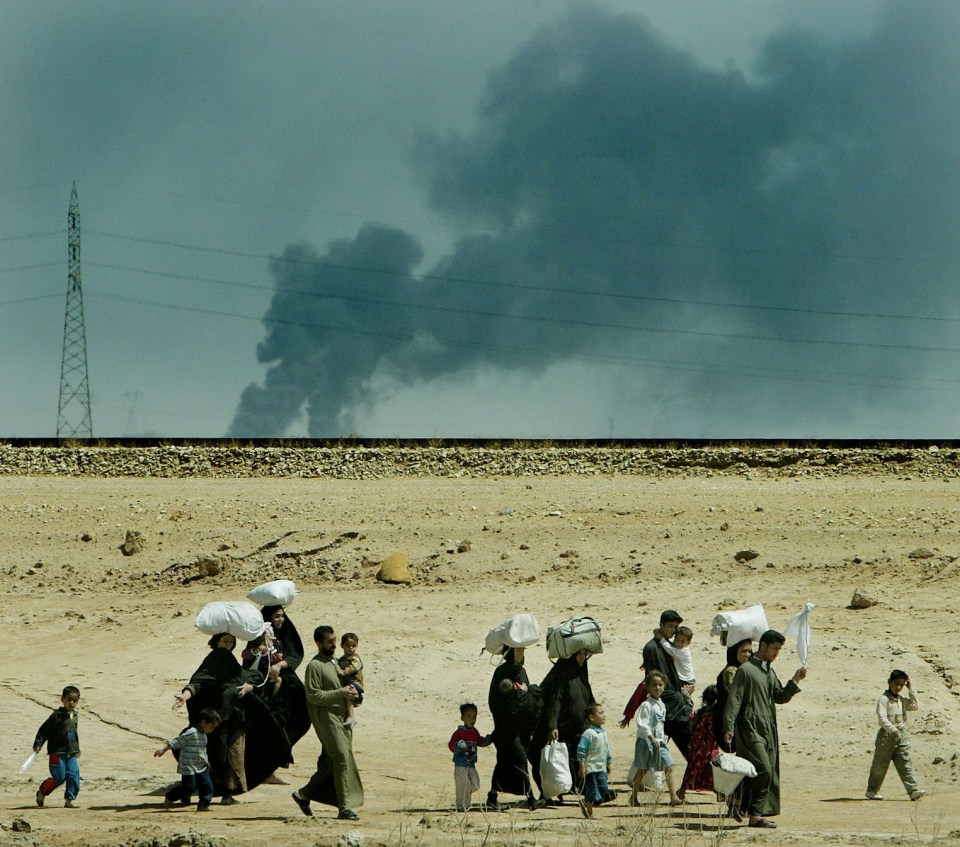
[(514, 713), (249, 744), (566, 695)]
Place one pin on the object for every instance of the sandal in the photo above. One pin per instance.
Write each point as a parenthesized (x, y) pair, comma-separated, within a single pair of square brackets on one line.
[(762, 823)]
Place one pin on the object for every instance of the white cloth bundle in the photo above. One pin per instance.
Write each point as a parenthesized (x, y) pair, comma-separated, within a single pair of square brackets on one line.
[(729, 763), (734, 627), (518, 631), (280, 592), (800, 627), (241, 619)]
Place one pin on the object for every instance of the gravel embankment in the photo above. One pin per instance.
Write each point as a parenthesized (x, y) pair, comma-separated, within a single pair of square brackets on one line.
[(378, 462)]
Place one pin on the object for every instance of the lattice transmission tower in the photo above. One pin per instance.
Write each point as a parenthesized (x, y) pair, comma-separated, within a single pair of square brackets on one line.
[(73, 413)]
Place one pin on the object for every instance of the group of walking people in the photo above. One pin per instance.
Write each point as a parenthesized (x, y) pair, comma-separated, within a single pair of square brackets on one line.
[(254, 710), (737, 714), (246, 716)]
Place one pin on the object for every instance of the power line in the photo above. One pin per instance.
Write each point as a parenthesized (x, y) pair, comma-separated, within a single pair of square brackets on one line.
[(31, 267), (633, 239), (556, 355), (32, 235), (540, 289), (28, 299), (577, 322)]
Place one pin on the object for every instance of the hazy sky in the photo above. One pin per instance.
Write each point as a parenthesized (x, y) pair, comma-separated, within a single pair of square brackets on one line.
[(506, 218)]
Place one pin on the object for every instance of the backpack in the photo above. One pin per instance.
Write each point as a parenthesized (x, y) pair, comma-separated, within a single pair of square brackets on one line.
[(570, 637)]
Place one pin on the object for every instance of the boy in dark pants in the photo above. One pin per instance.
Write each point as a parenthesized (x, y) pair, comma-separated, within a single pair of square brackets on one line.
[(892, 743), (193, 765), (63, 748)]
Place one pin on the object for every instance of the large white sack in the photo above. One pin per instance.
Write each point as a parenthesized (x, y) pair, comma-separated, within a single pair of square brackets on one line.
[(280, 592), (518, 631), (555, 769), (240, 618), (733, 627)]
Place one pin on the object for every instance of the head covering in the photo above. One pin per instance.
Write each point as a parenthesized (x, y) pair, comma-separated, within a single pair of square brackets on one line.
[(269, 611), (510, 657), (214, 641), (732, 651)]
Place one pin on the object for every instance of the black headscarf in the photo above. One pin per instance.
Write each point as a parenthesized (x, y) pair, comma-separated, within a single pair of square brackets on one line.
[(733, 649), (287, 638), (720, 705)]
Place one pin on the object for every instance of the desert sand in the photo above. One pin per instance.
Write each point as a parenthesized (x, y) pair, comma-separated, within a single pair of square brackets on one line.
[(618, 548)]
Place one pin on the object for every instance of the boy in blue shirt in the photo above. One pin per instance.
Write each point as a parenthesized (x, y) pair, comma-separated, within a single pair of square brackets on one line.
[(594, 762)]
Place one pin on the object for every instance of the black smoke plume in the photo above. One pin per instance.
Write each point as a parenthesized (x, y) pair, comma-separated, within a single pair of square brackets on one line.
[(622, 199)]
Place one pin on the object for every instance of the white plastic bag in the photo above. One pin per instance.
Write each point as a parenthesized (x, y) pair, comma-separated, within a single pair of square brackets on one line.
[(800, 627), (518, 631), (241, 619), (28, 762), (734, 627), (280, 592), (555, 770)]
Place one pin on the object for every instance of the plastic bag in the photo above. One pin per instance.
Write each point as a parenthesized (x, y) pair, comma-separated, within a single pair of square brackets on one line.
[(241, 619), (518, 631), (280, 592), (555, 769), (28, 762)]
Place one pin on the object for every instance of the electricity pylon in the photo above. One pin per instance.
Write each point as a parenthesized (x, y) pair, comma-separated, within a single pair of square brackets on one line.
[(73, 412)]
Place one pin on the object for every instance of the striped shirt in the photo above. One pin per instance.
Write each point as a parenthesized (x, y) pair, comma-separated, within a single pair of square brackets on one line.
[(192, 744)]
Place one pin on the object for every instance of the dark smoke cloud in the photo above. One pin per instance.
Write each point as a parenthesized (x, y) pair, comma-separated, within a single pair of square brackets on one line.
[(608, 162)]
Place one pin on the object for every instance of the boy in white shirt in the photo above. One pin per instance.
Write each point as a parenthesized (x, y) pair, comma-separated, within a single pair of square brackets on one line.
[(892, 743), (679, 651)]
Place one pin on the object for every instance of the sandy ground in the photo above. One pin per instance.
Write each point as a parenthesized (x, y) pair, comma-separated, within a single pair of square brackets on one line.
[(620, 549)]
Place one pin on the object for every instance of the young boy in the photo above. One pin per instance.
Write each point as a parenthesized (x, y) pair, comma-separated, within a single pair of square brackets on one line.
[(63, 747), (193, 766), (594, 761), (463, 744), (350, 670), (679, 651), (892, 743)]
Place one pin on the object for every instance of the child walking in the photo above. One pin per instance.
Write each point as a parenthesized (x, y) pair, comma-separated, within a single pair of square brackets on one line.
[(350, 670), (463, 744), (59, 731), (650, 751), (193, 765), (703, 748), (892, 743), (594, 761)]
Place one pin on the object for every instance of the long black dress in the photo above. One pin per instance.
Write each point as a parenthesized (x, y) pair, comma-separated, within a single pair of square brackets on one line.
[(514, 718), (566, 695), (289, 704), (249, 744)]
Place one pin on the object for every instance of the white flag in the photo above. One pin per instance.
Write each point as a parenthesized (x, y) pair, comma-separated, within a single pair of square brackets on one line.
[(800, 627)]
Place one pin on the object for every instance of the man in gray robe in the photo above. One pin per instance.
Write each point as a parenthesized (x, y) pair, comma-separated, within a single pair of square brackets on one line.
[(750, 716), (327, 699)]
